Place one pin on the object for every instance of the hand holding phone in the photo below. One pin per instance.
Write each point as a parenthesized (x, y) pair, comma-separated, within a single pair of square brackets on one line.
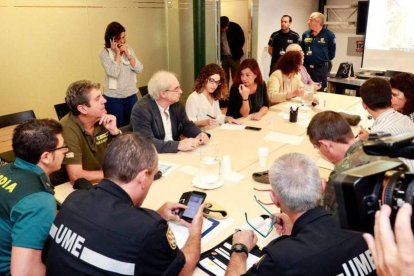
[(192, 200)]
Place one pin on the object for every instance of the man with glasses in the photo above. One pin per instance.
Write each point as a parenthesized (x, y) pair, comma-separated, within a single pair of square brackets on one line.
[(160, 116), (27, 204), (87, 130), (311, 241), (319, 45)]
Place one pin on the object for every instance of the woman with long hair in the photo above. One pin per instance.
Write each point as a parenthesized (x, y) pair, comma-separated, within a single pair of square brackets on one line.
[(285, 82), (202, 105), (248, 94), (403, 93), (121, 67)]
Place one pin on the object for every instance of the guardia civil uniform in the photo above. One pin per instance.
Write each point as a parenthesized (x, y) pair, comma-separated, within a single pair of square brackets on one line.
[(27, 209)]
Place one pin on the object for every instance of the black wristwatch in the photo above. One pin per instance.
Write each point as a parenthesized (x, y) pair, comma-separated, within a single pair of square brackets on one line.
[(239, 247)]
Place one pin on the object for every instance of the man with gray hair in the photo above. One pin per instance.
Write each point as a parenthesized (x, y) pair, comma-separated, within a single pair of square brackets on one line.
[(105, 231), (311, 241), (319, 45), (160, 117)]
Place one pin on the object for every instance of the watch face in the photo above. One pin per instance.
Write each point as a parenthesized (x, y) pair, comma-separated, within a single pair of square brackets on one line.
[(238, 247)]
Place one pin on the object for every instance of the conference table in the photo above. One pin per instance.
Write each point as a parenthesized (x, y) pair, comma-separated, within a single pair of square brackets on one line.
[(236, 195)]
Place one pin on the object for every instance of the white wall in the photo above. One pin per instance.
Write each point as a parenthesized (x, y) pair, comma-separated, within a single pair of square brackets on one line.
[(270, 12)]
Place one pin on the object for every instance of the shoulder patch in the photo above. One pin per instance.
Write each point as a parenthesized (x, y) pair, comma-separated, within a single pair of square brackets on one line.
[(171, 239)]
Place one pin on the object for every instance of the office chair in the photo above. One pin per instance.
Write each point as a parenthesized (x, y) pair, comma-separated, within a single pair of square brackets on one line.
[(143, 90), (61, 110), (16, 118)]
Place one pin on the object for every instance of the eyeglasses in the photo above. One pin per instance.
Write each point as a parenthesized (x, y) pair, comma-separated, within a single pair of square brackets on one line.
[(271, 216), (213, 81), (65, 147), (175, 90)]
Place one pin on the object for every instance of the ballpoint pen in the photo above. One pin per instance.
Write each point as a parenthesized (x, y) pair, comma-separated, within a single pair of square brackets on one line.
[(212, 117)]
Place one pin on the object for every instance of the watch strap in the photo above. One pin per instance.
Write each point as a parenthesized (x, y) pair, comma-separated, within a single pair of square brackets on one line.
[(239, 247)]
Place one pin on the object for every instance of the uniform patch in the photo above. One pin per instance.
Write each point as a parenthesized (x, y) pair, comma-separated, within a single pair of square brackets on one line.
[(171, 239), (70, 155)]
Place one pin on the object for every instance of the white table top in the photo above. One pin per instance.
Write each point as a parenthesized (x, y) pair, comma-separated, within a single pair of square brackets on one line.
[(241, 146)]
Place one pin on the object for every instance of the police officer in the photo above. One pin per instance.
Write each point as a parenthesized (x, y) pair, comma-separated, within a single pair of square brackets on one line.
[(312, 242), (27, 204), (319, 45), (104, 231), (280, 40)]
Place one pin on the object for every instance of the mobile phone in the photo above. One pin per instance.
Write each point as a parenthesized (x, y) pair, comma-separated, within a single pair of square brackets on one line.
[(253, 128), (193, 200)]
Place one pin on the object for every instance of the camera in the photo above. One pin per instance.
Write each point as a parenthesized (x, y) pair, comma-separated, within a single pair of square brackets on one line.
[(362, 190)]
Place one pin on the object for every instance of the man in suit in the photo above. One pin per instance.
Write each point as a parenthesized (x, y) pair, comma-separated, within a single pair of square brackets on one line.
[(160, 117), (232, 41)]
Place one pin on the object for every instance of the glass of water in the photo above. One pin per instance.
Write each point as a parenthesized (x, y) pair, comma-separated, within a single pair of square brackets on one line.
[(307, 96), (209, 173)]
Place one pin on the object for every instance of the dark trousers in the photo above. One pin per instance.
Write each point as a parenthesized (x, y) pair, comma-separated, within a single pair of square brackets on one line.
[(229, 64), (121, 108), (319, 73)]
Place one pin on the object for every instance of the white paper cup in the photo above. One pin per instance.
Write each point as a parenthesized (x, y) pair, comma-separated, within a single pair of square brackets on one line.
[(226, 165), (263, 153)]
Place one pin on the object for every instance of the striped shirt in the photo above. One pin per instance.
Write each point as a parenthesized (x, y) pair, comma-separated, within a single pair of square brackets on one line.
[(395, 123)]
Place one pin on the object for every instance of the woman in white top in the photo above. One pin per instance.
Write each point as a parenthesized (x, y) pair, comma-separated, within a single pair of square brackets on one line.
[(202, 105), (285, 82), (121, 67)]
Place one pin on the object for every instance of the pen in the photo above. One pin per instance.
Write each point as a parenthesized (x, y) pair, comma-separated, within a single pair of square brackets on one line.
[(212, 117)]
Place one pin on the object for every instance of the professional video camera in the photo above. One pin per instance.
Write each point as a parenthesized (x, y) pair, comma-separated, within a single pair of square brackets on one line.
[(361, 191)]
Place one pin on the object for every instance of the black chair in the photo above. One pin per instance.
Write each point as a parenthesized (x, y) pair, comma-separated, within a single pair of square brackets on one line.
[(16, 118), (10, 120), (61, 110), (143, 90)]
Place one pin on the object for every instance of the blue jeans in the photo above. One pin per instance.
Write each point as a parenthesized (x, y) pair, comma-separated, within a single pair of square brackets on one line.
[(121, 108)]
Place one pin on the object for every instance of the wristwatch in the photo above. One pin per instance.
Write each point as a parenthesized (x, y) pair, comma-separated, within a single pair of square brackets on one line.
[(239, 247)]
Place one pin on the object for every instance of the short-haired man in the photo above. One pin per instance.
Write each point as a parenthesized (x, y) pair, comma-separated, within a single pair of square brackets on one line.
[(27, 204), (376, 94), (331, 134), (160, 117), (280, 40), (319, 46), (87, 130), (312, 242), (106, 231)]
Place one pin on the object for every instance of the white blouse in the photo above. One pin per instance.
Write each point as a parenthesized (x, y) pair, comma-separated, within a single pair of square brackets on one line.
[(198, 106)]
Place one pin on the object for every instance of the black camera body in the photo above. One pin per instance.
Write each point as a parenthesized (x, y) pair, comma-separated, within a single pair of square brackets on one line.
[(362, 190)]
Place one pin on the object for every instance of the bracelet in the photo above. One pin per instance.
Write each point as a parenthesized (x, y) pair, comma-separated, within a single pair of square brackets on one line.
[(245, 100)]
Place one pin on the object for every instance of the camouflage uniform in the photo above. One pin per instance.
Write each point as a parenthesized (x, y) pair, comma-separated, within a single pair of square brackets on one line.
[(354, 157)]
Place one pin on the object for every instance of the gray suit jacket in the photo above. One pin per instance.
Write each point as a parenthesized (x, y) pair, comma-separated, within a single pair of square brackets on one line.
[(146, 120)]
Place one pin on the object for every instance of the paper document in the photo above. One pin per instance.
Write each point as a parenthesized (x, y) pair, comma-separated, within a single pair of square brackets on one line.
[(284, 138), (232, 127), (166, 168), (211, 228)]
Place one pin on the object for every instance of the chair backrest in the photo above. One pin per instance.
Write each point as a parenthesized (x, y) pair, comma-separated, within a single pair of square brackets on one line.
[(143, 90), (61, 110), (16, 118)]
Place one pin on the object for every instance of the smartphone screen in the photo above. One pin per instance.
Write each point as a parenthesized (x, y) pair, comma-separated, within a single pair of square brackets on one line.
[(253, 128), (193, 204)]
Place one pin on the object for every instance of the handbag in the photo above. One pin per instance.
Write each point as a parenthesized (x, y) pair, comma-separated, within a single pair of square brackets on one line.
[(345, 70)]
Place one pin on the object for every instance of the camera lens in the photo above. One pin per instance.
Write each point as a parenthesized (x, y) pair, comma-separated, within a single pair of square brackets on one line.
[(398, 188)]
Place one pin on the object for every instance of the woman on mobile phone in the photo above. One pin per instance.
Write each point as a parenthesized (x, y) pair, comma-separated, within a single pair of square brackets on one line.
[(121, 67), (248, 94), (202, 106)]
